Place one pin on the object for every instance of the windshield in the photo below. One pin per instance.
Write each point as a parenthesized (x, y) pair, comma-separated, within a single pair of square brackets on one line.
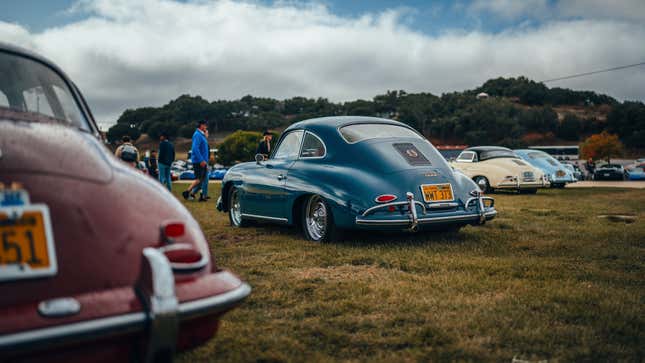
[(498, 153), (359, 132), (542, 155), (29, 86)]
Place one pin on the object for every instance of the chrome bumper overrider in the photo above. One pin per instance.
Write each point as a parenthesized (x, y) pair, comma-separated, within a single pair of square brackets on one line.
[(411, 220), (160, 320)]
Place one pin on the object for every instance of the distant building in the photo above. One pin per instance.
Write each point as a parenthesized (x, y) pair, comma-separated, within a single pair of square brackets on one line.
[(482, 95)]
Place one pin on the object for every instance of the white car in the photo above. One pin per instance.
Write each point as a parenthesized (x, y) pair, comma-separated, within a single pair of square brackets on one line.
[(494, 167)]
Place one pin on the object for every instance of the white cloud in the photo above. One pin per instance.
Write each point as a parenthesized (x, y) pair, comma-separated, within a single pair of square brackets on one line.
[(132, 54)]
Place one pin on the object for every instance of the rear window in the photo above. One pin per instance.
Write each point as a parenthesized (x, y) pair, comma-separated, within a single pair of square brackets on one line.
[(491, 154), (541, 155), (359, 132)]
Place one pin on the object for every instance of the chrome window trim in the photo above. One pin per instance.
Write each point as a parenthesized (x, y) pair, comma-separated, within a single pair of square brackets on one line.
[(472, 159), (302, 144), (274, 151)]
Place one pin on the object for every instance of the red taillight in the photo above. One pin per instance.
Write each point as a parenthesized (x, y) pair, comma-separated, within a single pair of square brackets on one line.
[(174, 230), (385, 198)]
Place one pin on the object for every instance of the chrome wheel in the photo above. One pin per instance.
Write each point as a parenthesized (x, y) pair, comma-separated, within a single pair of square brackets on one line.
[(316, 218), (235, 211)]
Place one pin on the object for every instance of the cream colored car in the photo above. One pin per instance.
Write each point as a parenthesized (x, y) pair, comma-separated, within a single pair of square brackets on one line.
[(494, 167)]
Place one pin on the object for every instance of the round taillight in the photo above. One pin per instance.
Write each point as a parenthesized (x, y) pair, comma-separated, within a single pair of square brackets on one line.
[(385, 198), (174, 230)]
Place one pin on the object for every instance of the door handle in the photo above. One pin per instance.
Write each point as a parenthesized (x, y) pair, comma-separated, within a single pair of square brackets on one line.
[(282, 177)]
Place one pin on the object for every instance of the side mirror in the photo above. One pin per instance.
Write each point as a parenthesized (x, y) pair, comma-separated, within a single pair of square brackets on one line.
[(259, 158)]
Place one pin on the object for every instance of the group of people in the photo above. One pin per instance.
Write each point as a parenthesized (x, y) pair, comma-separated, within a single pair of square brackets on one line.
[(158, 166)]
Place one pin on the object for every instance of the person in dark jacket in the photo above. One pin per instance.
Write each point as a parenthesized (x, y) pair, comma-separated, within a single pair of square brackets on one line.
[(151, 164), (199, 157), (166, 158), (264, 147)]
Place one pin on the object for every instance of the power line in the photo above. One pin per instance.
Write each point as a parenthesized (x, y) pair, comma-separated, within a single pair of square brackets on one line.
[(594, 72)]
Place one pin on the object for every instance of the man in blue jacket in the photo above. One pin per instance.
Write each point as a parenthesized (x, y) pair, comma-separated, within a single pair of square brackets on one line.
[(199, 157)]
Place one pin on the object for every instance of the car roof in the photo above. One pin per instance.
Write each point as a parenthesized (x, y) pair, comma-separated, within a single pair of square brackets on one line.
[(10, 48), (334, 122)]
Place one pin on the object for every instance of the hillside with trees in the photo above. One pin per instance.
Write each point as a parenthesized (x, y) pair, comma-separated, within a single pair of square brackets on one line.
[(516, 112)]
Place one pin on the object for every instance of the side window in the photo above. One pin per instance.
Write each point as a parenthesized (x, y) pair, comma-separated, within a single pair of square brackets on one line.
[(4, 101), (289, 147), (68, 104), (36, 101), (312, 147), (466, 156)]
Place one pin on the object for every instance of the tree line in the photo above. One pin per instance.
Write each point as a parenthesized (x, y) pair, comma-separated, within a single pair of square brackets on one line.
[(518, 111)]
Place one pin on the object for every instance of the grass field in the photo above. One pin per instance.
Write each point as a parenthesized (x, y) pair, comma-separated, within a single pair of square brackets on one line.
[(548, 279)]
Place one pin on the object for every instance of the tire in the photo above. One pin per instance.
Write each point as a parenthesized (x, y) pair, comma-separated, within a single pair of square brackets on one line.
[(482, 183), (558, 186), (234, 209), (317, 221), (528, 191)]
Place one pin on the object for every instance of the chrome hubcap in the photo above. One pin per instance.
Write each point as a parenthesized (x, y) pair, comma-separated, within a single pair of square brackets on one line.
[(316, 218), (235, 210)]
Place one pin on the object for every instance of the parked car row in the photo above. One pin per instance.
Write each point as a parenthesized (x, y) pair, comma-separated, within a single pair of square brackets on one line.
[(86, 272), (494, 168)]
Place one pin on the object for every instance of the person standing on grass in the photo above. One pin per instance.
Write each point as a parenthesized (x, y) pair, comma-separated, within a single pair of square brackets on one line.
[(152, 165), (128, 152), (205, 182), (264, 147), (199, 158), (166, 158)]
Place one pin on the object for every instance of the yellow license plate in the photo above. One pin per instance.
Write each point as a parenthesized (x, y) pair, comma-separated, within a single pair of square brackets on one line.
[(437, 192), (26, 244)]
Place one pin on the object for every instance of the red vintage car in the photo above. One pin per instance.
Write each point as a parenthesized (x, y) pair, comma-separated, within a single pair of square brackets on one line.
[(98, 262)]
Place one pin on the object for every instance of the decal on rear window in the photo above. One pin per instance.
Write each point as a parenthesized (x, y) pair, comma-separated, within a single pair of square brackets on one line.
[(411, 154)]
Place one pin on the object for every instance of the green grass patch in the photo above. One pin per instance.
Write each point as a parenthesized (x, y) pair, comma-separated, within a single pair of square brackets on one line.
[(547, 279)]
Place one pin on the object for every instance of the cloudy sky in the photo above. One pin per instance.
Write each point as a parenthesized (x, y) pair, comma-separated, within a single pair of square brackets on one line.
[(127, 53)]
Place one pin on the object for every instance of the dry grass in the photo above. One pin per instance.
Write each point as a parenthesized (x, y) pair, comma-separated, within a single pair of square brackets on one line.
[(548, 279)]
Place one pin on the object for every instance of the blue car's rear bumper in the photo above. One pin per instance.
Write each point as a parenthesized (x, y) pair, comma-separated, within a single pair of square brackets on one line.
[(471, 212)]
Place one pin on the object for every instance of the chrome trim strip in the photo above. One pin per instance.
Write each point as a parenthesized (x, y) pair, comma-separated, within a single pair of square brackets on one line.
[(214, 304), (303, 143), (256, 216), (441, 205), (83, 330)]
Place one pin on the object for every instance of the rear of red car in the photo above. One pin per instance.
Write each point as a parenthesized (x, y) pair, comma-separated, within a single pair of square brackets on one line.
[(97, 261)]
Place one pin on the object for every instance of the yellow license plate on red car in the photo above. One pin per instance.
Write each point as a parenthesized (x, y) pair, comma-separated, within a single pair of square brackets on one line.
[(437, 192), (26, 243)]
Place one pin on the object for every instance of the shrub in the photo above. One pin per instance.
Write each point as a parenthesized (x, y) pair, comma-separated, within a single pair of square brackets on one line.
[(239, 146)]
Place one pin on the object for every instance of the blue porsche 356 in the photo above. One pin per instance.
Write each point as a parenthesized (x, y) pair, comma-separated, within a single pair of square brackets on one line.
[(335, 173)]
